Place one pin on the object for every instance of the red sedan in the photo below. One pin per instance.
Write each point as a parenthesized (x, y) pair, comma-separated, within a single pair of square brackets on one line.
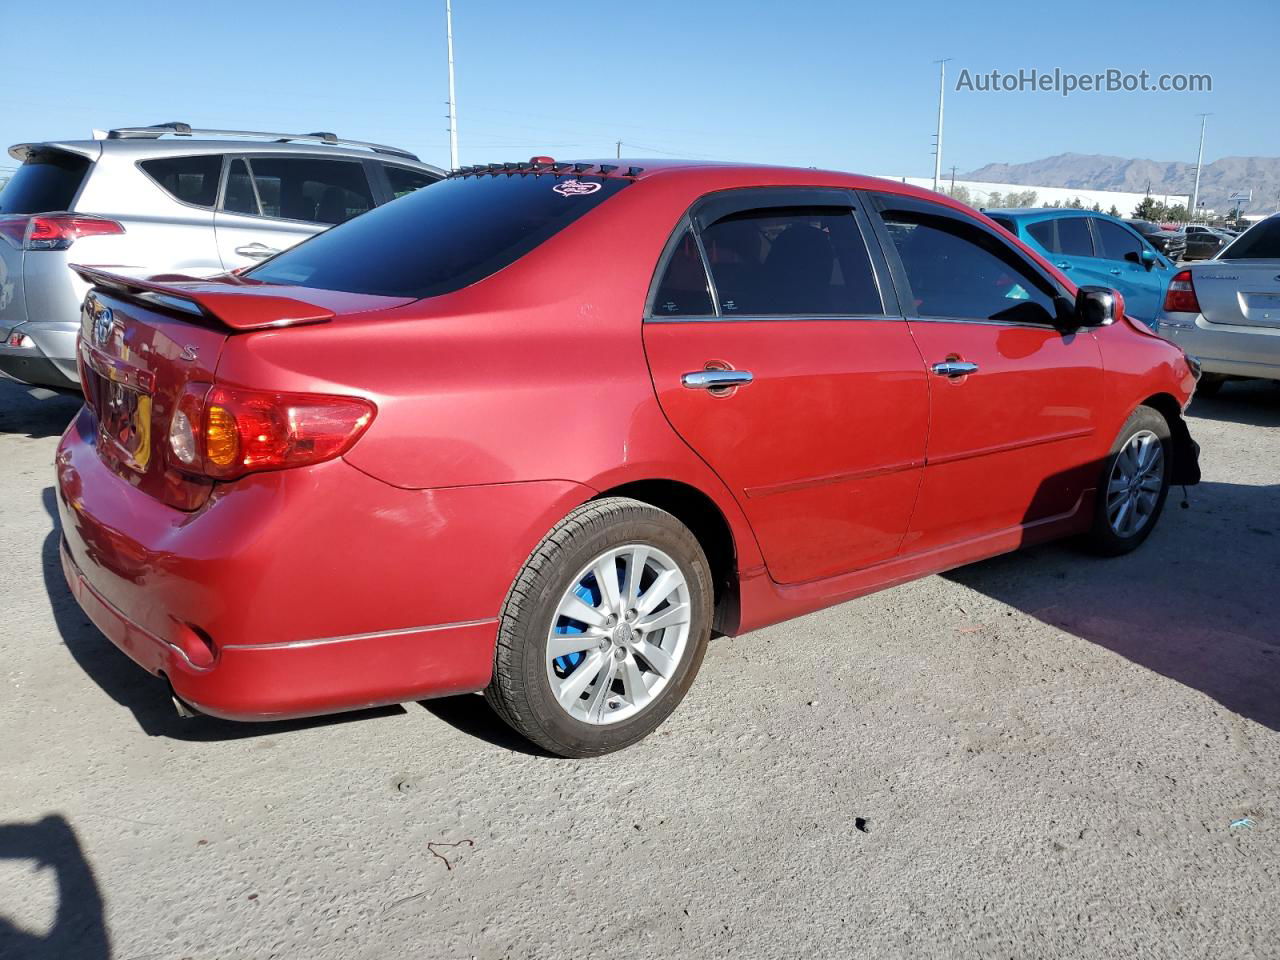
[(543, 428)]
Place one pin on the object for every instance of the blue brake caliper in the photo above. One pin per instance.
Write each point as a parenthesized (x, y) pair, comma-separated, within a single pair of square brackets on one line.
[(588, 591)]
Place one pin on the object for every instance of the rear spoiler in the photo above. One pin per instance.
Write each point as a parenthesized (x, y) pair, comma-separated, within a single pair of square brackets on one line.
[(238, 307)]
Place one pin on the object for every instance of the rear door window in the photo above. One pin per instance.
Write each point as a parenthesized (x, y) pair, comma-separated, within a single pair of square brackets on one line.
[(436, 241), (404, 181), (192, 180), (957, 270), (240, 196), (683, 291), (310, 189), (47, 182), (1117, 243), (1065, 235), (791, 261)]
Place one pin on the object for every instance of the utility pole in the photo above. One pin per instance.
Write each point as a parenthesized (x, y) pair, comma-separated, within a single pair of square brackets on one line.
[(618, 155), (953, 179), (1195, 192), (453, 103), (937, 150)]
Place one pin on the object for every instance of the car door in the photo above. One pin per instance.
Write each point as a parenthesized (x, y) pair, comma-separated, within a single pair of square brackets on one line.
[(1013, 399), (269, 203), (778, 357), (1142, 286)]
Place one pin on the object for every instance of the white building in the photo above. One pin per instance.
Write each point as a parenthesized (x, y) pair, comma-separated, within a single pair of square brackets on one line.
[(980, 192)]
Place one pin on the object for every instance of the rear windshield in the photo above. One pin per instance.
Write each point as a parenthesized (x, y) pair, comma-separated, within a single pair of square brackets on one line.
[(47, 182), (1259, 242), (441, 238)]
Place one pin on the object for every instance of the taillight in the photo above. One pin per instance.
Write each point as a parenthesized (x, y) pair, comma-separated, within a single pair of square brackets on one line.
[(223, 433), (58, 231), (54, 231), (1181, 296)]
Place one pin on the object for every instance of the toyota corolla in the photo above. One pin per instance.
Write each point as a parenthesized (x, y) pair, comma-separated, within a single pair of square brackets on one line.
[(543, 429)]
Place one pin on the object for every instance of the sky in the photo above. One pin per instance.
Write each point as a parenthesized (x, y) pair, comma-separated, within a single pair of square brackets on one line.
[(844, 85)]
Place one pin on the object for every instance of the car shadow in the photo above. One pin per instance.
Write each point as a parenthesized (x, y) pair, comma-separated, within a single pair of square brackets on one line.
[(470, 714), (35, 411), (1254, 403), (146, 696), (1194, 603), (78, 931)]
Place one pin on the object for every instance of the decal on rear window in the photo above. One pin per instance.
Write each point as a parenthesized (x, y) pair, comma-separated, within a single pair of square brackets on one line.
[(575, 188)]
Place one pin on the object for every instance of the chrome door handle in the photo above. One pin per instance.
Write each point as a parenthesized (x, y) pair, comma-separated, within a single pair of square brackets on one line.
[(1115, 273), (954, 368), (716, 379), (257, 251), (1063, 265)]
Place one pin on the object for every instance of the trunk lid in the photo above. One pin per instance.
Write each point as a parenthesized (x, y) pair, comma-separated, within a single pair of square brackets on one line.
[(143, 343), (1243, 293)]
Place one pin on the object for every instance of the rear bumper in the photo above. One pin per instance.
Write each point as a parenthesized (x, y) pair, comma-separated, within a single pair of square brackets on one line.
[(299, 592), (298, 679), (47, 357), (1231, 350)]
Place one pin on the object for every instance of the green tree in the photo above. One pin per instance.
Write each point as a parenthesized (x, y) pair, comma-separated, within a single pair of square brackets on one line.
[(1177, 213), (1096, 208), (1146, 210), (962, 194), (1076, 204), (1114, 211), (995, 199)]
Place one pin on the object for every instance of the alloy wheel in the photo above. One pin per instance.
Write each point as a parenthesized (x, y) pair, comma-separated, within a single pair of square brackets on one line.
[(618, 634), (1133, 489)]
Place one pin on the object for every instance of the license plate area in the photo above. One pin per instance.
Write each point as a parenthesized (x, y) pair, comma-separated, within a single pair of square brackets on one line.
[(120, 395)]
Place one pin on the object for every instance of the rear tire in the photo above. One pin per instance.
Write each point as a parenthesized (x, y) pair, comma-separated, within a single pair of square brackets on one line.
[(1134, 485), (587, 685)]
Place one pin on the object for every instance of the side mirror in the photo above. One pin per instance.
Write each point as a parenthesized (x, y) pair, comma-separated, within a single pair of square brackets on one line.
[(1149, 258), (1098, 307)]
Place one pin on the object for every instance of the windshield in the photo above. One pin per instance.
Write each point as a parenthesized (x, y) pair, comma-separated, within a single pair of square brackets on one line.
[(1144, 226), (1259, 242), (441, 238), (46, 183)]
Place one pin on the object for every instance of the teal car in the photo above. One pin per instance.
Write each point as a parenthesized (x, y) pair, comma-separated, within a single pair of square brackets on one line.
[(1093, 248)]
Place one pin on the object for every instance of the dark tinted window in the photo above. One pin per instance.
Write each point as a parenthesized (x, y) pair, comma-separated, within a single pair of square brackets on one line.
[(1065, 235), (1116, 242), (317, 191), (443, 239), (1144, 227), (46, 183), (1259, 242), (791, 261), (1073, 237), (683, 291), (1006, 223), (240, 197), (404, 181), (189, 179), (958, 270)]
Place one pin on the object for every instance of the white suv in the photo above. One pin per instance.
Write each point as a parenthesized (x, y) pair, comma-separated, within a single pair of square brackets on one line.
[(166, 199)]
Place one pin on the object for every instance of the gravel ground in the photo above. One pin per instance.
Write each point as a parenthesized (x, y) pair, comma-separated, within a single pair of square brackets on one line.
[(1038, 756)]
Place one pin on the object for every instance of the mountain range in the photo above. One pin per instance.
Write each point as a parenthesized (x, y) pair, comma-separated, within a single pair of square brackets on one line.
[(1218, 180)]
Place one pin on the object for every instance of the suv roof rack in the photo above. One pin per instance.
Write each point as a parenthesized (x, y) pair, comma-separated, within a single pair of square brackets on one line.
[(177, 129)]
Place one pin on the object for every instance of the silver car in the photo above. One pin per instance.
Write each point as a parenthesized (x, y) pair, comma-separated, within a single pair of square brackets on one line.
[(166, 199), (1225, 312)]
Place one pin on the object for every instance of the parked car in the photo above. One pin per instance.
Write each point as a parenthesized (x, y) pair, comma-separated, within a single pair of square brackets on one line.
[(1093, 248), (1204, 243), (1226, 312), (541, 429), (1171, 243), (166, 199)]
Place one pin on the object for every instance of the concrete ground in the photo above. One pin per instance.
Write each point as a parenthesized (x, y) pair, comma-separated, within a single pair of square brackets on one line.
[(1043, 755)]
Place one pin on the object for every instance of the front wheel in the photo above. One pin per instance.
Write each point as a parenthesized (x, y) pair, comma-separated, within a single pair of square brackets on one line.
[(1134, 484), (603, 630)]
